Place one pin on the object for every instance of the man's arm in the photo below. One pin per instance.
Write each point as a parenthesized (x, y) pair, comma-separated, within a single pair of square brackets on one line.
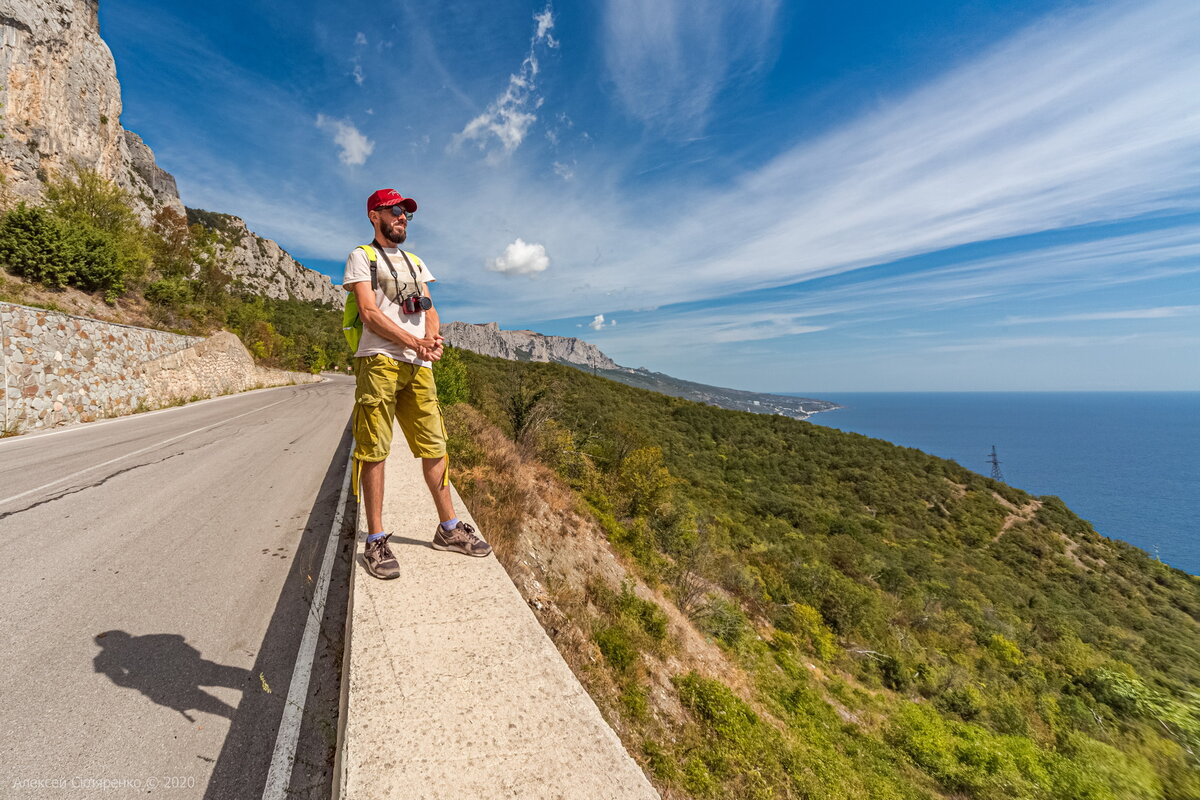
[(433, 323), (380, 325), (433, 326)]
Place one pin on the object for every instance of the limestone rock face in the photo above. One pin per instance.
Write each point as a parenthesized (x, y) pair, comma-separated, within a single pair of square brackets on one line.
[(263, 267), (160, 182), (62, 105), (489, 340)]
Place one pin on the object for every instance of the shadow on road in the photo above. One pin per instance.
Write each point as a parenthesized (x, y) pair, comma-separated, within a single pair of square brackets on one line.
[(167, 670)]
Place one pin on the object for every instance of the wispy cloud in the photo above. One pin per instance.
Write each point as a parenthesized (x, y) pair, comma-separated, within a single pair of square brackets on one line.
[(521, 258), (1019, 278), (1025, 342), (360, 42), (509, 117), (1076, 120), (669, 59), (354, 146), (1161, 312)]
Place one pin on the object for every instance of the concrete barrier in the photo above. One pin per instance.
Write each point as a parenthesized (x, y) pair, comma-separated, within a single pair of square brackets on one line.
[(451, 687)]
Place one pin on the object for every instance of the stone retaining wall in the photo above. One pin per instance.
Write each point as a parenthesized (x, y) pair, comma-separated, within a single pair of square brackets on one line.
[(60, 368)]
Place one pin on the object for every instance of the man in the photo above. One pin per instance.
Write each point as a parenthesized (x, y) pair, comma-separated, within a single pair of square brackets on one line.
[(394, 370)]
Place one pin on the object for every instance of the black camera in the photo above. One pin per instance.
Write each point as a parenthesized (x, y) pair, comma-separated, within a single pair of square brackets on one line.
[(416, 302)]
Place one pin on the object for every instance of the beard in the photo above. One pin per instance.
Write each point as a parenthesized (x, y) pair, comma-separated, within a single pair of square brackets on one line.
[(395, 233)]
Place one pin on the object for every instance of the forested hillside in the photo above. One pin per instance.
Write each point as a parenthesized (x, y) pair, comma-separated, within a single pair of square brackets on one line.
[(801, 612)]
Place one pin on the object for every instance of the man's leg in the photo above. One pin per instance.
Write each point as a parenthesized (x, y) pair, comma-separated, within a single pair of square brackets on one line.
[(374, 407), (372, 489), (420, 418), (435, 472)]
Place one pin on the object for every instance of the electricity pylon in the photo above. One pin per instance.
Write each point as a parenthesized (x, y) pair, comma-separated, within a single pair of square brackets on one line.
[(995, 462)]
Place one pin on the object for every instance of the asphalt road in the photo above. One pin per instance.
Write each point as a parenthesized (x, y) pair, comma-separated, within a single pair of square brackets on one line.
[(156, 573)]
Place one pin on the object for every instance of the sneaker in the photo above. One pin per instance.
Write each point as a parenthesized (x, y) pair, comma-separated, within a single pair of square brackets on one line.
[(380, 561), (461, 539)]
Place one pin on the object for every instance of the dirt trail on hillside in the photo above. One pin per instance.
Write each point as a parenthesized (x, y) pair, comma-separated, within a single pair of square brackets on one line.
[(1023, 514)]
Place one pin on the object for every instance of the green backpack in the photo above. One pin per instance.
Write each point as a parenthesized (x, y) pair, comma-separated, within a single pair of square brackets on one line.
[(352, 325)]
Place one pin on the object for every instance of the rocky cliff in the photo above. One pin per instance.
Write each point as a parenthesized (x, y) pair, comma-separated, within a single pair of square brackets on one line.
[(60, 105), (261, 266), (489, 340)]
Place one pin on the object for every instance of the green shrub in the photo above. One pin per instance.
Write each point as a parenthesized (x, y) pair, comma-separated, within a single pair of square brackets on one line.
[(174, 292), (97, 258), (964, 701), (450, 375), (809, 629), (644, 613), (616, 647), (724, 620), (633, 700), (31, 245), (715, 704)]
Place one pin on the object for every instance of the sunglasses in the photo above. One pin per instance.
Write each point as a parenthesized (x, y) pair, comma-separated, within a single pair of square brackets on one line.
[(397, 210)]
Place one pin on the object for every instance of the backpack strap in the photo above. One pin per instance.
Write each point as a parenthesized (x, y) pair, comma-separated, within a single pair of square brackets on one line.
[(371, 257)]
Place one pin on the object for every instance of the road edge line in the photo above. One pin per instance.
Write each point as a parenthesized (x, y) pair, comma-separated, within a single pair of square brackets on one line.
[(283, 758), (344, 688)]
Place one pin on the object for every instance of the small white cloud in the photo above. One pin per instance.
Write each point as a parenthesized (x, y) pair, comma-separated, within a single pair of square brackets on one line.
[(360, 39), (563, 171), (358, 73), (354, 146), (597, 322), (521, 258)]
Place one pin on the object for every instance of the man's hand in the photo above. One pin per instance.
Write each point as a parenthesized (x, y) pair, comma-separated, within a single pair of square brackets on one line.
[(429, 348), (428, 342)]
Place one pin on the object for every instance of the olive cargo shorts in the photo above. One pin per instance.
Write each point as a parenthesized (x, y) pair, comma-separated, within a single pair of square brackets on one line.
[(388, 389)]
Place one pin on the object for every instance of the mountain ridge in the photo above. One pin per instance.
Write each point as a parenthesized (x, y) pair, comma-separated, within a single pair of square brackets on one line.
[(524, 345)]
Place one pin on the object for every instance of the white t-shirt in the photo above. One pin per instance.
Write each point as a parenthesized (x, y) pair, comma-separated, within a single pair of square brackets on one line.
[(389, 297)]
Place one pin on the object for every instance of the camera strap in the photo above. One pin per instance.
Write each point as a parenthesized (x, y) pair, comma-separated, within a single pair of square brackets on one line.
[(395, 275), (412, 272)]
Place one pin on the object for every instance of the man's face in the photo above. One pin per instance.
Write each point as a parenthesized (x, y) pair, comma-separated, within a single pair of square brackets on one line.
[(391, 227)]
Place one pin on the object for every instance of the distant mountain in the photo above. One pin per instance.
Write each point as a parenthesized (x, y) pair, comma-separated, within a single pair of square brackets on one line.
[(489, 340)]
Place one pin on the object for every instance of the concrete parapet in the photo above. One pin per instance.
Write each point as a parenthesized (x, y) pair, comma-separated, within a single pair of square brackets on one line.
[(452, 689)]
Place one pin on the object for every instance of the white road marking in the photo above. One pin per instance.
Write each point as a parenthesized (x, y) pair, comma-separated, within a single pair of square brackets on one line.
[(280, 774), (57, 481)]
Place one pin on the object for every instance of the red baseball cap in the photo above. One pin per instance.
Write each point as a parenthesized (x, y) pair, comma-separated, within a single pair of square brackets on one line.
[(390, 197)]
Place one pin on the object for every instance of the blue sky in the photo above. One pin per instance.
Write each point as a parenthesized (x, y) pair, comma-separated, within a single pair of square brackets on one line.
[(776, 196)]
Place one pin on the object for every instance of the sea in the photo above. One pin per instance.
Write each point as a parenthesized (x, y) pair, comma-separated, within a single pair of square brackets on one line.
[(1128, 462)]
